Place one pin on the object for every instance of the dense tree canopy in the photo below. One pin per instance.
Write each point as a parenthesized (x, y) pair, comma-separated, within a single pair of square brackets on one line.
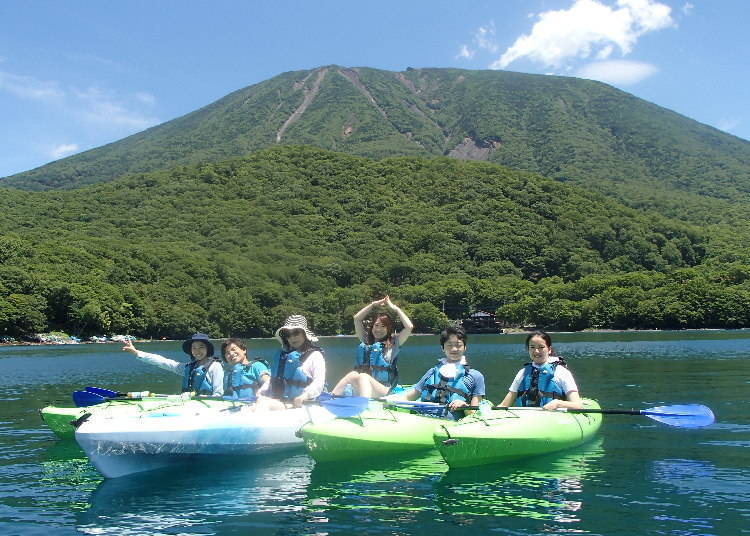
[(233, 247)]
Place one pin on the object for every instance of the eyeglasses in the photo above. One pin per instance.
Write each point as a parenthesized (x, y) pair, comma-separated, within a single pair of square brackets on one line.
[(291, 332)]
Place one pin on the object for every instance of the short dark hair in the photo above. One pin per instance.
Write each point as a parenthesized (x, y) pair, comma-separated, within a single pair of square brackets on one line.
[(453, 330), (237, 342)]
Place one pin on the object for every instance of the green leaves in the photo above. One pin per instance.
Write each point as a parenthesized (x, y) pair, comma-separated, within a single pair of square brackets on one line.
[(302, 230)]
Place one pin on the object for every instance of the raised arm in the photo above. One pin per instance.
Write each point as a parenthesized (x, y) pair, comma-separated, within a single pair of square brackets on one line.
[(405, 321), (359, 318)]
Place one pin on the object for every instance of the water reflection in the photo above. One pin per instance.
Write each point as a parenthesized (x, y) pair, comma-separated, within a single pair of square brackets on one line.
[(192, 500), (293, 495)]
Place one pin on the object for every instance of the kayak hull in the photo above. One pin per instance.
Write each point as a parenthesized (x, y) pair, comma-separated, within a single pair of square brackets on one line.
[(503, 435), (377, 431), (157, 439)]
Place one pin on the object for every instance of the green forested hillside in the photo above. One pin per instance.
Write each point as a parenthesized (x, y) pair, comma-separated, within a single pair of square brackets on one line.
[(576, 131), (232, 247)]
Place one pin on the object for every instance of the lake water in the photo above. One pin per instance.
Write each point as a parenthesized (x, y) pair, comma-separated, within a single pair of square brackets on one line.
[(637, 477)]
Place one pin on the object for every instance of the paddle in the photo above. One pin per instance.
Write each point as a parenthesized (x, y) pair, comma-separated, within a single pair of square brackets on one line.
[(681, 415), (348, 406), (96, 395), (108, 393), (84, 399), (351, 406)]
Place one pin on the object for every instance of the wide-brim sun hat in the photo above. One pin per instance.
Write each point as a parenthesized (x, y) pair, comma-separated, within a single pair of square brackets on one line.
[(200, 337), (296, 322)]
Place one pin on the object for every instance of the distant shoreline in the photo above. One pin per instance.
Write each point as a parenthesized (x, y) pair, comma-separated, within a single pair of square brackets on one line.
[(512, 331)]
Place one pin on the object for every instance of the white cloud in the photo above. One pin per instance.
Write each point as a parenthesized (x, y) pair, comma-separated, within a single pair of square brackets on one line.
[(484, 39), (145, 98), (687, 8), (617, 72), (465, 53), (728, 124), (100, 106), (587, 29), (92, 105), (27, 87), (63, 150)]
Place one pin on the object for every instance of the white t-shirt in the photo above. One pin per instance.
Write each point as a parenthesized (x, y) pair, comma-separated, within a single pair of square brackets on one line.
[(314, 367), (563, 377)]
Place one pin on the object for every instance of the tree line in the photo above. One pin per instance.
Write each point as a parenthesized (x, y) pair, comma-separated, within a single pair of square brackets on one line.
[(232, 248)]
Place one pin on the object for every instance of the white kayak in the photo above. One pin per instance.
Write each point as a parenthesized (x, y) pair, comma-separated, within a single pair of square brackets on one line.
[(119, 446)]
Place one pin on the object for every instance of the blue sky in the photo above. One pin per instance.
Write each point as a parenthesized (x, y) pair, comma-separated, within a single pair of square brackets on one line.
[(80, 74)]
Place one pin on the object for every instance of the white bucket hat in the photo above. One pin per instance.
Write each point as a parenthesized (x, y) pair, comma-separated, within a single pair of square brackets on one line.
[(296, 322)]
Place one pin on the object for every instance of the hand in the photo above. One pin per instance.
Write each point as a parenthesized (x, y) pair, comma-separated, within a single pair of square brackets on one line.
[(552, 405), (457, 404), (128, 347), (299, 400)]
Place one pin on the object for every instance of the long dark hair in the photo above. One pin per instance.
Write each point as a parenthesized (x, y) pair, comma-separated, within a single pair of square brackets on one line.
[(390, 327)]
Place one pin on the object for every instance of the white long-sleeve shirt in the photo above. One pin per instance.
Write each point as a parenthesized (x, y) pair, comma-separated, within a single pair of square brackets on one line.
[(215, 372)]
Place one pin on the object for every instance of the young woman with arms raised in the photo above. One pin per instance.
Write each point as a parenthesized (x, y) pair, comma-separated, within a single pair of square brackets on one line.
[(375, 372)]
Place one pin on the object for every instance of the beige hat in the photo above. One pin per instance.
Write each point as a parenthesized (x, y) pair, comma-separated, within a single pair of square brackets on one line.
[(296, 322)]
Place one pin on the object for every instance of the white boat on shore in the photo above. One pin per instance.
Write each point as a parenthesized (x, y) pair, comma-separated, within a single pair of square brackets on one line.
[(121, 446)]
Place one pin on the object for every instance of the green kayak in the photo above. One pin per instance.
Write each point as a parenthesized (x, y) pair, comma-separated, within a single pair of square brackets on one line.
[(59, 418), (502, 435), (379, 430)]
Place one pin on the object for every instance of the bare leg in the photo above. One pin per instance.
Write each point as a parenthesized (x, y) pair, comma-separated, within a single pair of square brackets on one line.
[(369, 386), (351, 377)]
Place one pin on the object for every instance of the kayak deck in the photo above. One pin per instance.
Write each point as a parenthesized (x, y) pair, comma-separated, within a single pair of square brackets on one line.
[(502, 435), (59, 418)]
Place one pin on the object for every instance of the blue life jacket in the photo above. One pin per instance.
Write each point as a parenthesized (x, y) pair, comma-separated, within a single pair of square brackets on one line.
[(370, 360), (243, 381), (445, 390), (538, 385), (195, 378), (287, 378)]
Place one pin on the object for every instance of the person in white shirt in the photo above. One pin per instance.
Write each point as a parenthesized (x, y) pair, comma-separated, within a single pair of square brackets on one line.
[(298, 372), (545, 382), (203, 375)]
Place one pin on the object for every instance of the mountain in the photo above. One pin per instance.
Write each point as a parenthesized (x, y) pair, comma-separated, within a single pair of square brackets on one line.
[(571, 130), (231, 248)]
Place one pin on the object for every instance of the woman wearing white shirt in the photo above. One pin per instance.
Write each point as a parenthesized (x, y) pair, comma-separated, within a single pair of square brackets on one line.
[(298, 371), (203, 375), (544, 382)]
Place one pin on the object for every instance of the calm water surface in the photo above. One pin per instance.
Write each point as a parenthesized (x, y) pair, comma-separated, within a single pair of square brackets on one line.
[(637, 477)]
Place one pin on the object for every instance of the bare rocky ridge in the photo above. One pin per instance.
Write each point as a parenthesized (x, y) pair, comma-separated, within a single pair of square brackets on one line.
[(309, 96), (471, 149)]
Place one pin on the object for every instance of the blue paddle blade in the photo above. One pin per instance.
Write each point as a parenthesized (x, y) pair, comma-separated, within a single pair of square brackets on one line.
[(684, 416), (349, 406), (83, 399), (106, 393)]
